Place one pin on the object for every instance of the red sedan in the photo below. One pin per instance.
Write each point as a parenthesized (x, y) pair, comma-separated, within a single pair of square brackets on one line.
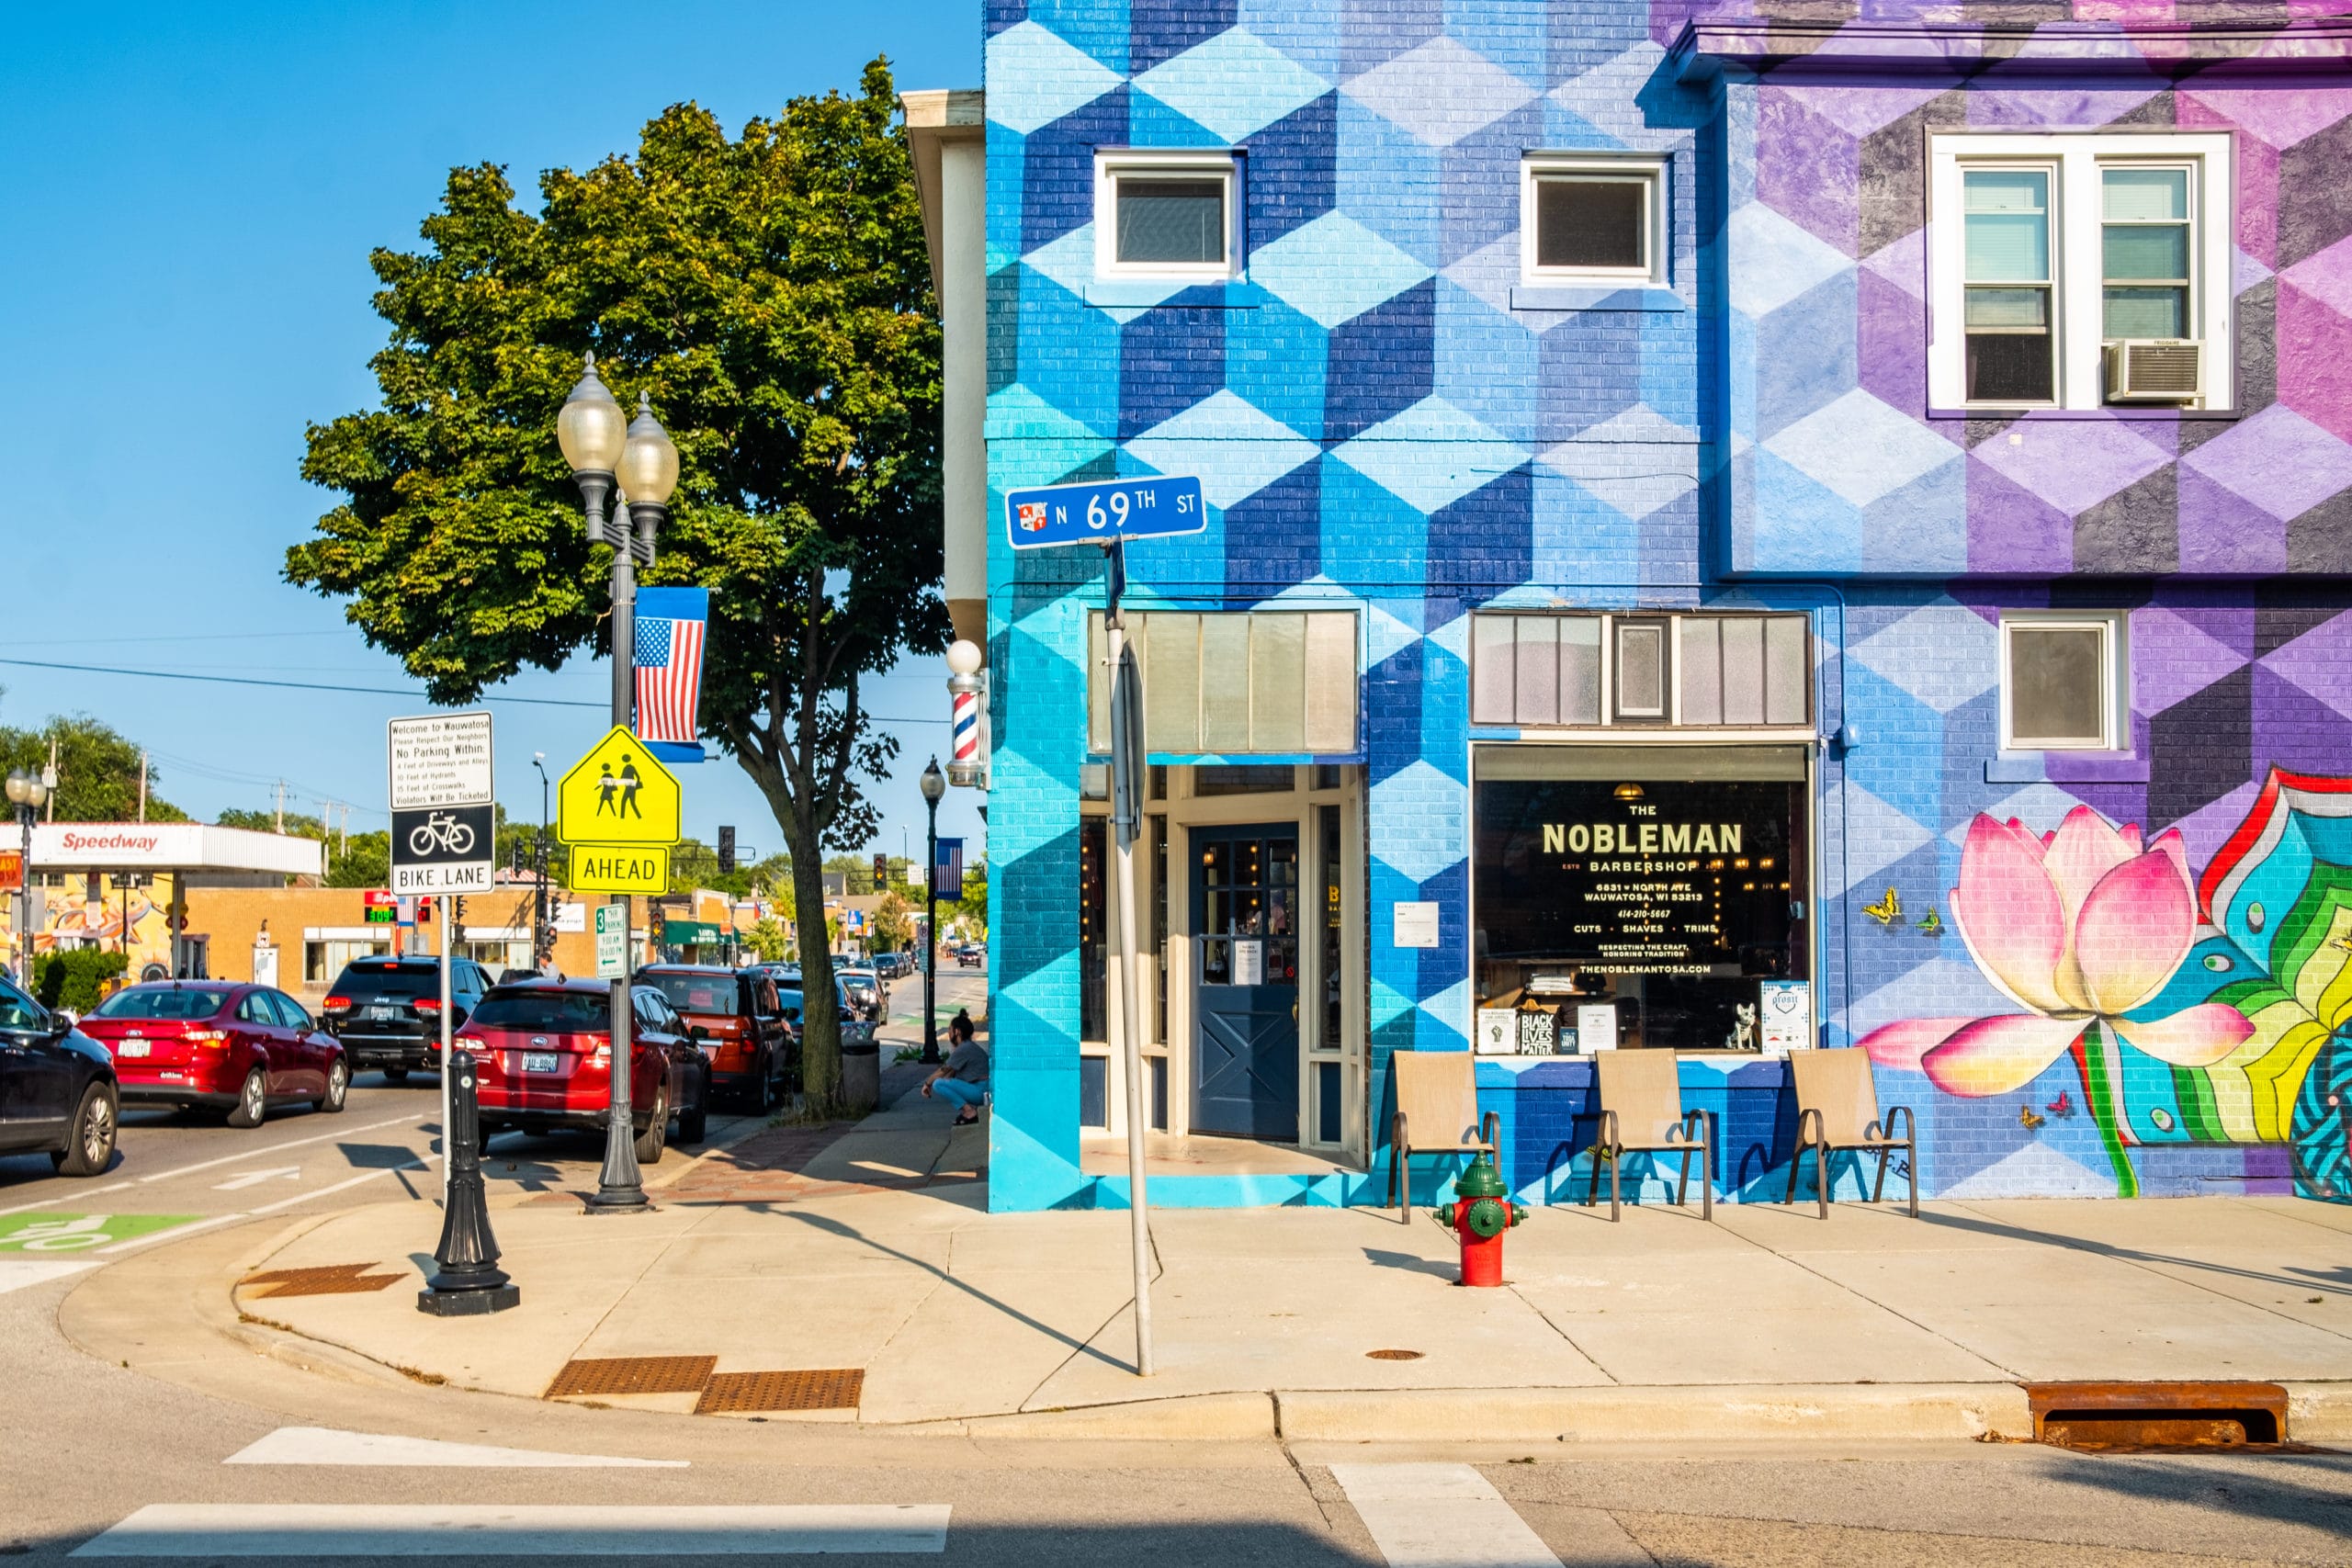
[(218, 1046), (543, 1057)]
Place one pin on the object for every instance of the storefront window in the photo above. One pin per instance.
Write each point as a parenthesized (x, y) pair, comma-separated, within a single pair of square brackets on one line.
[(1327, 833), (1241, 778), (1091, 1012), (1660, 884)]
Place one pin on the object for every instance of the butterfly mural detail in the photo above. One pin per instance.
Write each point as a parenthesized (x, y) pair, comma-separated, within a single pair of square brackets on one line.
[(2063, 1106), (2026, 1118), (1931, 924), (1887, 910)]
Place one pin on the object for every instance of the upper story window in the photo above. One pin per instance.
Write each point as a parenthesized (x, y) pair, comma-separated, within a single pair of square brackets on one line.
[(2061, 681), (1546, 668), (1166, 215), (1591, 219), (2076, 270)]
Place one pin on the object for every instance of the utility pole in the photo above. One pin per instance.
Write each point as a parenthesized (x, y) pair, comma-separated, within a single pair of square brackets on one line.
[(281, 805), (142, 786)]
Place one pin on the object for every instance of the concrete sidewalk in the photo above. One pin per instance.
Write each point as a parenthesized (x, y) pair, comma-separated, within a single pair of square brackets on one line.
[(876, 1256)]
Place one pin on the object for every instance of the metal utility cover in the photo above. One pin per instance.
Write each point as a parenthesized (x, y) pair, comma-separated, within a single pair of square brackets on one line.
[(619, 793), (823, 1388), (326, 1280), (633, 1374)]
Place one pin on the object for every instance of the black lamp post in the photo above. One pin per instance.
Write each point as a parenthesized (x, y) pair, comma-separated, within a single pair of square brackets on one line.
[(542, 940), (638, 462), (27, 791), (935, 784)]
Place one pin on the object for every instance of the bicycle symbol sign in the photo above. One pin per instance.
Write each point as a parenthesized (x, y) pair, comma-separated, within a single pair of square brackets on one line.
[(446, 851)]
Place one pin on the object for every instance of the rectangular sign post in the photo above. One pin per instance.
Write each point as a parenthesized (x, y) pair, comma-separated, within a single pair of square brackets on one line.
[(612, 942), (1109, 512), (444, 834)]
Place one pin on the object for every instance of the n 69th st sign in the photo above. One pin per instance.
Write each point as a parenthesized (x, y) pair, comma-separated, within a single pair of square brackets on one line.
[(1099, 513)]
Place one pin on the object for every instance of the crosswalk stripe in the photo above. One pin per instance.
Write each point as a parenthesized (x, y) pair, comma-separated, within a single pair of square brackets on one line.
[(219, 1530), (325, 1445), (17, 1273), (1439, 1516)]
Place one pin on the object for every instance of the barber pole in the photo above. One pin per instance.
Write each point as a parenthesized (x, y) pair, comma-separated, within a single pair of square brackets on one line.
[(964, 684)]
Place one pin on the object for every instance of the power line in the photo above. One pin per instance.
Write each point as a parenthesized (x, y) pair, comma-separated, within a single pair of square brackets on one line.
[(365, 690)]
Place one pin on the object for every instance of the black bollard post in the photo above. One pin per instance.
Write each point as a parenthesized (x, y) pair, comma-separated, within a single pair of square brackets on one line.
[(468, 1281)]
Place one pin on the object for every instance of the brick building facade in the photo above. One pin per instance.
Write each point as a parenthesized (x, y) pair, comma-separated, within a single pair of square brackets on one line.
[(1842, 515)]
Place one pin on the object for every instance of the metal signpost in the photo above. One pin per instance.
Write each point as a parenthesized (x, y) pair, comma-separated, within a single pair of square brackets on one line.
[(1109, 514), (617, 812), (444, 834)]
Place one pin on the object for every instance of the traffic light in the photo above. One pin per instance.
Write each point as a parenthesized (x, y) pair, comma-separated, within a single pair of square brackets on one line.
[(725, 851), (881, 873)]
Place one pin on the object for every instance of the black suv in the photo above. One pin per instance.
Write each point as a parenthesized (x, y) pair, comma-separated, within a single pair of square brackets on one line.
[(386, 1011)]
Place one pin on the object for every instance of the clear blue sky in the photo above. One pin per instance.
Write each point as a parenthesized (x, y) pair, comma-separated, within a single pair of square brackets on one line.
[(185, 286)]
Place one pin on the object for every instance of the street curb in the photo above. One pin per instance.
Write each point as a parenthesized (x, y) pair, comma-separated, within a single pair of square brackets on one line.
[(1740, 1413), (1187, 1417), (2318, 1412)]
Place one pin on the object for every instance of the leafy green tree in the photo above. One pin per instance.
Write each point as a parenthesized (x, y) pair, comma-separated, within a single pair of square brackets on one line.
[(891, 926), (770, 293), (767, 938), (97, 769)]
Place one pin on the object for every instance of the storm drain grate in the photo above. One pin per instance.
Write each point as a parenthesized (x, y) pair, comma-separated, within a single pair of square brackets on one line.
[(2158, 1415), (824, 1388), (633, 1374), (328, 1279), (1392, 1355)]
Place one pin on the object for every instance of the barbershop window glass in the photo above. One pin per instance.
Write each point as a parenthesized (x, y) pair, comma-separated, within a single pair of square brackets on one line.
[(1663, 882)]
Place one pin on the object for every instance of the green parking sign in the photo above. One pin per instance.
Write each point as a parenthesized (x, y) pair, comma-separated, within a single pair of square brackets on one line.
[(53, 1235)]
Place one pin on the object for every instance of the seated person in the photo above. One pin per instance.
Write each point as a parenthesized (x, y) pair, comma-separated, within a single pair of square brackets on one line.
[(963, 1077)]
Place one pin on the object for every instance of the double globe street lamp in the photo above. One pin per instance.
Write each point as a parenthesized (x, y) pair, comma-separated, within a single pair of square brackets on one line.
[(635, 463), (27, 791)]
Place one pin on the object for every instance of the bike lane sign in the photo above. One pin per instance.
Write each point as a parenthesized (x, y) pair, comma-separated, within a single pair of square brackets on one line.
[(444, 822)]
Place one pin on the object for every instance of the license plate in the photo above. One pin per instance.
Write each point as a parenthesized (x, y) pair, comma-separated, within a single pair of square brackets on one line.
[(538, 1061), (134, 1047), (383, 1013)]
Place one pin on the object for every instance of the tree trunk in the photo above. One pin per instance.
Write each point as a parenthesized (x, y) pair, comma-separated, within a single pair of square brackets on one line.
[(820, 1015)]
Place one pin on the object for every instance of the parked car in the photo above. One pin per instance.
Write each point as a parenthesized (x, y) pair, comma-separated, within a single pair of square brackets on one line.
[(864, 992), (787, 984), (386, 1011), (754, 1056), (218, 1045), (58, 1092), (543, 1055), (972, 956)]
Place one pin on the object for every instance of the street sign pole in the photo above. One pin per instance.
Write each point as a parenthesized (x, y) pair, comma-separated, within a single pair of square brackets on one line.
[(446, 1033), (1108, 513), (1126, 796)]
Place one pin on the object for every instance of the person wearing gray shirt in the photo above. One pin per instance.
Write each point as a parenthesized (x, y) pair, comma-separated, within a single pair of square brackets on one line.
[(963, 1077)]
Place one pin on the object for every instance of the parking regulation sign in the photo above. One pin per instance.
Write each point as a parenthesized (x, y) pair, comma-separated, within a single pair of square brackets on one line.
[(443, 823)]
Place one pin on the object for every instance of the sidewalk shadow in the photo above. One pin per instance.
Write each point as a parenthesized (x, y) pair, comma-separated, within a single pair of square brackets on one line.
[(946, 1276), (1381, 1259)]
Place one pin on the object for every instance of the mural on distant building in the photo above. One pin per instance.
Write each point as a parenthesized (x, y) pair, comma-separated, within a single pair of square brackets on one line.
[(2191, 1012), (82, 915)]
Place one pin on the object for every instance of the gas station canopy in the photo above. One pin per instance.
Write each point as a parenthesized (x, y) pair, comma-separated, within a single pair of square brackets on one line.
[(187, 847)]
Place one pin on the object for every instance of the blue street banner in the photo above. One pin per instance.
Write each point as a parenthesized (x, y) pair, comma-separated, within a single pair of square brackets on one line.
[(1102, 511), (948, 871), (668, 648)]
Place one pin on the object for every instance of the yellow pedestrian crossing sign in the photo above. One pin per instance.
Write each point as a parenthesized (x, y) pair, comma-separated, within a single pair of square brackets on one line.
[(620, 868), (618, 795)]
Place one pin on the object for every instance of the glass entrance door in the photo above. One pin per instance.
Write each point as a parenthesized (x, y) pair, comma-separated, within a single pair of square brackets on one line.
[(1245, 1050)]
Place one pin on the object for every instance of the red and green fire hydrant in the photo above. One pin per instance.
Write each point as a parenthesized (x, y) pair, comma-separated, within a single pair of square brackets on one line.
[(1480, 1213)]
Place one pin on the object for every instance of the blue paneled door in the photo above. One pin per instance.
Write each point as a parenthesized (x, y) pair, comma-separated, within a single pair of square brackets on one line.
[(1245, 1049)]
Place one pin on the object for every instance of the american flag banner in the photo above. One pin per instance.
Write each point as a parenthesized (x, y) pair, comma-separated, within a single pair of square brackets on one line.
[(671, 623), (948, 871)]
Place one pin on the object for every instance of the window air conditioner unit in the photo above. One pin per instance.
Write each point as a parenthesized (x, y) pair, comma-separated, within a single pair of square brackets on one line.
[(2155, 370)]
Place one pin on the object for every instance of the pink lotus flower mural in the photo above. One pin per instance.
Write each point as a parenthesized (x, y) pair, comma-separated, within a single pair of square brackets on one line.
[(2082, 927)]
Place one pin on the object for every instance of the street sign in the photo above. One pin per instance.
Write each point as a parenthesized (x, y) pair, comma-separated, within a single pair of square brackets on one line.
[(444, 827), (446, 851), (618, 795), (620, 868), (440, 760), (612, 942), (1098, 512)]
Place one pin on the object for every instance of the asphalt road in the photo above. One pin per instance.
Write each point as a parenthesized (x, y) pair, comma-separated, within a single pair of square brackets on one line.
[(92, 1447)]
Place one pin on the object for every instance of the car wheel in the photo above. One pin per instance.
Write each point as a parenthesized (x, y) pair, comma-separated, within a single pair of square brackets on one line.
[(338, 1088), (90, 1146), (656, 1136), (253, 1101), (763, 1086), (396, 1075), (694, 1125)]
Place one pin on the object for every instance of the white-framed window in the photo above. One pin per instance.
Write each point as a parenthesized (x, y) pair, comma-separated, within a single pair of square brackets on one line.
[(1716, 669), (1591, 219), (2063, 681), (2075, 269), (1166, 215)]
